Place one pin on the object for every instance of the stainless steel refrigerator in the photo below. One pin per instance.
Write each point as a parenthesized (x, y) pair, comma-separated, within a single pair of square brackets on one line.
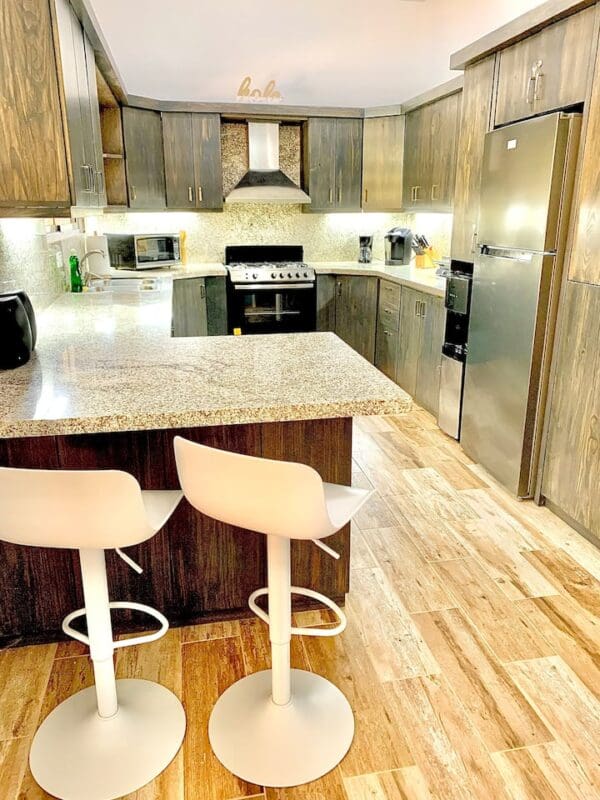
[(527, 184)]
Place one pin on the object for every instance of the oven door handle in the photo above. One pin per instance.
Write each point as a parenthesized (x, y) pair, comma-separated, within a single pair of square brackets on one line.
[(254, 287)]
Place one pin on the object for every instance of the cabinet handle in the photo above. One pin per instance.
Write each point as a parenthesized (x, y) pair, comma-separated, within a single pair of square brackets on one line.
[(92, 180), (528, 94), (536, 85), (331, 195), (133, 193), (366, 195), (434, 188), (200, 197), (416, 308), (202, 291), (339, 194), (88, 178), (415, 193), (190, 194), (423, 309), (100, 181), (533, 81), (387, 333), (339, 288), (474, 240)]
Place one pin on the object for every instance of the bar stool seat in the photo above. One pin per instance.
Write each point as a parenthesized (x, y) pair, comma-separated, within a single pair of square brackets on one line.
[(113, 738), (279, 727)]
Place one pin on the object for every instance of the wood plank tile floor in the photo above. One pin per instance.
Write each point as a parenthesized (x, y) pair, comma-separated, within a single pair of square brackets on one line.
[(471, 657)]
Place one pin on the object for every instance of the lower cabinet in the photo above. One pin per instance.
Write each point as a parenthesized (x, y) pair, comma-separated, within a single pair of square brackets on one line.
[(199, 307), (433, 319), (356, 313)]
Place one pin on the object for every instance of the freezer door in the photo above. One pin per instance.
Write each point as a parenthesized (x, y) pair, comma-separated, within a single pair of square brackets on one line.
[(522, 179), (502, 376)]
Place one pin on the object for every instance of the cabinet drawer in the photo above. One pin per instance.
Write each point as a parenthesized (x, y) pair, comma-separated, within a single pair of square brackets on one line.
[(546, 71), (389, 304)]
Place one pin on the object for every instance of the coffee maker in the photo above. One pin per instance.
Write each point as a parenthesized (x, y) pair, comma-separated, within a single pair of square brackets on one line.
[(365, 253), (398, 246)]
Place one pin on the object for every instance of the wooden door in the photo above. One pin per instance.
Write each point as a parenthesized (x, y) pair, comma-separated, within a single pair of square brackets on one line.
[(386, 349), (320, 163), (383, 153), (584, 263), (413, 143), (144, 158), (326, 295), (571, 473), (348, 164), (546, 71), (475, 123), (445, 120), (356, 313), (433, 320), (208, 168), (180, 180), (409, 340), (189, 307)]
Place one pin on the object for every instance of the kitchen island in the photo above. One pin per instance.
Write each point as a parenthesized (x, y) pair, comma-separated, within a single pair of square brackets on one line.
[(109, 388)]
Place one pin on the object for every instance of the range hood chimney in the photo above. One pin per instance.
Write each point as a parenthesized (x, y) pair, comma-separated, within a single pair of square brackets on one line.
[(265, 182)]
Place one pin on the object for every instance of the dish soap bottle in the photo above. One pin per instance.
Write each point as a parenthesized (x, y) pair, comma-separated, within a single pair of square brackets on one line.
[(76, 282)]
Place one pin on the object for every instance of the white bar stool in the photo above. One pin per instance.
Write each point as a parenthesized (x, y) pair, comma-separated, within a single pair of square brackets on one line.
[(113, 738), (279, 727)]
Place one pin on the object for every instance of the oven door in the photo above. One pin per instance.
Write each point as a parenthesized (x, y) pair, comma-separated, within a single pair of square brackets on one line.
[(272, 309)]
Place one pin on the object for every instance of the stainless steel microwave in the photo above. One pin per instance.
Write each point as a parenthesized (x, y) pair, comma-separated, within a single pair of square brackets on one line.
[(144, 250)]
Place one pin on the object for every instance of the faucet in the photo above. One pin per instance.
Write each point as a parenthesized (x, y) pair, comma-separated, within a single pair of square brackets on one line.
[(88, 273)]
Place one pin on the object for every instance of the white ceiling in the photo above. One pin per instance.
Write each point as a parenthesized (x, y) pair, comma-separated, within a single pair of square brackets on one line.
[(319, 52)]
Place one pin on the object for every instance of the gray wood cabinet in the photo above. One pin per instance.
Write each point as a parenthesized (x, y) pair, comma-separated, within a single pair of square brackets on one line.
[(388, 321), (383, 159), (356, 313), (144, 159), (326, 293), (430, 144), (419, 348), (546, 71), (476, 116), (332, 164), (189, 317), (82, 109), (192, 154)]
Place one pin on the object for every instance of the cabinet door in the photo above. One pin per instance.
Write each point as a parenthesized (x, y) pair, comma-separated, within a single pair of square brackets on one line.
[(386, 349), (445, 117), (189, 307), (142, 132), (546, 71), (409, 340), (326, 292), (33, 160), (433, 319), (208, 168), (319, 163), (383, 151), (475, 123), (356, 313), (348, 164), (178, 146), (412, 193)]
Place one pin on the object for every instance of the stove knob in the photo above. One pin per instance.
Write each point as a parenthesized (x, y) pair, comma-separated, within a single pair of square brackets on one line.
[(273, 275), (306, 274), (290, 275), (255, 275), (298, 275), (281, 275)]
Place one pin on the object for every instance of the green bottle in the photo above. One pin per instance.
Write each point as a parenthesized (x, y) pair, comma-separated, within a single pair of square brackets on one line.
[(76, 282)]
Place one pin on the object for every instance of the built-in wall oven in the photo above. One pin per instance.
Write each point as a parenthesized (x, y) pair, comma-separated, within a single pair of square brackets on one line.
[(269, 289), (454, 349)]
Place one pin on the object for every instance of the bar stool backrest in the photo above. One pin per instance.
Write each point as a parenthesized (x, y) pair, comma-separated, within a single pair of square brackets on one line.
[(72, 508), (280, 498)]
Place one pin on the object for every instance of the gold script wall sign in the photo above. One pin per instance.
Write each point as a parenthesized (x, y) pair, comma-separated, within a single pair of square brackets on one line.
[(269, 94)]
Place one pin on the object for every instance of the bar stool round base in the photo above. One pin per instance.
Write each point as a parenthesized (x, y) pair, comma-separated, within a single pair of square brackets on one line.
[(281, 746), (76, 753)]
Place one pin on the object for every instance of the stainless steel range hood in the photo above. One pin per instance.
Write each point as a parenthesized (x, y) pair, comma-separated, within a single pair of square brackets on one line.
[(265, 182)]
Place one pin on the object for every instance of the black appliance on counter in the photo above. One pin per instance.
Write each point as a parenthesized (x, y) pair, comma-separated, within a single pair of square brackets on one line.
[(454, 350), (398, 246), (18, 329), (269, 289)]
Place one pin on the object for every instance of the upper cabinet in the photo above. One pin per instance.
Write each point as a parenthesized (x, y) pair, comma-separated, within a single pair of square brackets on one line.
[(82, 109), (546, 71), (144, 159), (430, 143), (33, 160), (475, 122), (333, 164), (383, 155), (192, 154)]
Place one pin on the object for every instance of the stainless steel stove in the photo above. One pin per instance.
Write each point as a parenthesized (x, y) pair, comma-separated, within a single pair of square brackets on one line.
[(270, 289)]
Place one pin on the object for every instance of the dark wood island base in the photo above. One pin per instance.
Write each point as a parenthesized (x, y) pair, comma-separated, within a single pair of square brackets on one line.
[(195, 569)]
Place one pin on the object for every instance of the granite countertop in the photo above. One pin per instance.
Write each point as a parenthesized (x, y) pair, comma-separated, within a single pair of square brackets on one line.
[(106, 362), (423, 279)]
